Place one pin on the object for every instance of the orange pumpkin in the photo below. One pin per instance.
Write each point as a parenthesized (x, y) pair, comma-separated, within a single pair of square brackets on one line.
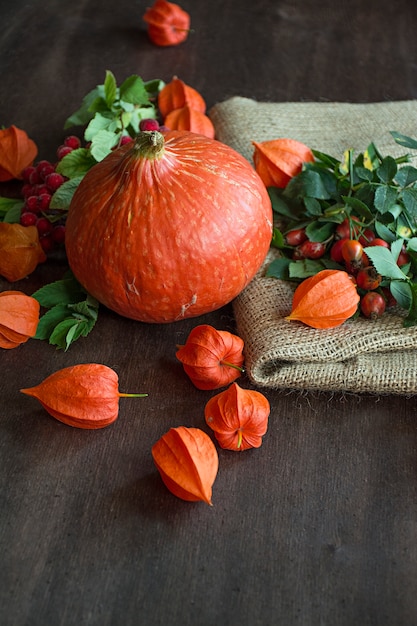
[(168, 227)]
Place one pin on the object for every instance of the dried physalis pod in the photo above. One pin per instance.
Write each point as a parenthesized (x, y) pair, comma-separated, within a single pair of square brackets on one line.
[(84, 396), (177, 94), (187, 461), (19, 318), (168, 23), (17, 151), (325, 300), (211, 358), (279, 160), (238, 417), (189, 119), (20, 251)]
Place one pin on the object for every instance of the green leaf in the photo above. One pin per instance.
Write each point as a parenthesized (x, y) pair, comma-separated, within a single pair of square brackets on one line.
[(412, 244), (83, 115), (63, 195), (67, 331), (76, 163), (405, 176), (278, 203), (307, 183), (309, 267), (102, 144), (313, 206), (409, 197), (278, 268), (384, 262), (401, 291), (10, 210), (385, 198), (358, 206), (100, 121), (403, 140), (278, 239), (396, 247), (110, 88), (317, 231), (326, 159), (387, 170), (65, 291), (133, 90), (49, 320), (411, 319), (384, 232)]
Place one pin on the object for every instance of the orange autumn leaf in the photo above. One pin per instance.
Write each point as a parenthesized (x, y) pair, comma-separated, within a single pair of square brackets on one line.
[(325, 300), (189, 119), (83, 396), (238, 417), (19, 318), (20, 251), (211, 358), (176, 95), (17, 151), (279, 160), (187, 461), (168, 24)]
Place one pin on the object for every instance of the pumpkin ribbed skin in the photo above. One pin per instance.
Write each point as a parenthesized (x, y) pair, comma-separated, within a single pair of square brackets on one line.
[(165, 236)]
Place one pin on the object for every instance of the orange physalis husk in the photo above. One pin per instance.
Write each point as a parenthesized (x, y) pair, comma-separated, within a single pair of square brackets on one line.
[(168, 23), (238, 417), (19, 318), (188, 462), (17, 151), (325, 300), (211, 358), (176, 95), (20, 251), (189, 119), (279, 160), (84, 396)]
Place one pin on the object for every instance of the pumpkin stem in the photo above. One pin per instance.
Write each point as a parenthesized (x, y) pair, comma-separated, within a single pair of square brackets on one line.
[(236, 367), (149, 144)]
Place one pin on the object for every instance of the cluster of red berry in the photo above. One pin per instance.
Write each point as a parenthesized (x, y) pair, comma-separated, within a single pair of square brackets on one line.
[(346, 248), (40, 181)]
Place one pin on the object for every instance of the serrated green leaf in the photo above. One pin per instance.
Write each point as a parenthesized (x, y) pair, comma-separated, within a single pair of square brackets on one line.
[(278, 268), (317, 231), (100, 121), (396, 247), (387, 170), (50, 319), (363, 173), (278, 239), (307, 183), (133, 90), (76, 163), (403, 140), (385, 198), (63, 333), (384, 262), (13, 212), (358, 206), (279, 205), (384, 232), (401, 291), (110, 88), (406, 175), (87, 309), (62, 197), (83, 115), (102, 144), (412, 244), (308, 267), (60, 292), (409, 197), (313, 206)]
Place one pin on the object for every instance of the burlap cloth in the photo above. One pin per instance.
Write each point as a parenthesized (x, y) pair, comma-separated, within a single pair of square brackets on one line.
[(360, 356)]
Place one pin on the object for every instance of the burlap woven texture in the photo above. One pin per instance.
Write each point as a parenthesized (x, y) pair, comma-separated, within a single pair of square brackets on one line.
[(360, 356)]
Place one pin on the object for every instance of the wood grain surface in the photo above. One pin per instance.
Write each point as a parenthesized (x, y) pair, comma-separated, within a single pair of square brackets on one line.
[(319, 525)]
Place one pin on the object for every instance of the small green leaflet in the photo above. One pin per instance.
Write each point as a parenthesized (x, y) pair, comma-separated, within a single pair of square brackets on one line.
[(385, 263), (403, 140), (72, 313), (10, 209)]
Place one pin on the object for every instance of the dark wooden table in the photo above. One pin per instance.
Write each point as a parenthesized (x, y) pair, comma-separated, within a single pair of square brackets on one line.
[(318, 526)]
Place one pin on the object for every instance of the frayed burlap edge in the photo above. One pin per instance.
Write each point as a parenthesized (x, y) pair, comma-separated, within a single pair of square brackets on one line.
[(359, 356)]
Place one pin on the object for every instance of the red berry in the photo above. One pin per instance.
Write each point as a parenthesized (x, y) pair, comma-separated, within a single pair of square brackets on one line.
[(125, 139), (58, 233), (352, 251), (54, 181), (367, 236), (336, 251), (47, 243), (27, 172), (372, 305), (379, 242), (44, 201), (310, 250), (28, 218), (347, 229), (45, 169), (63, 151), (44, 226), (403, 258), (295, 237), (34, 177), (72, 142), (32, 204), (368, 278), (149, 124)]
